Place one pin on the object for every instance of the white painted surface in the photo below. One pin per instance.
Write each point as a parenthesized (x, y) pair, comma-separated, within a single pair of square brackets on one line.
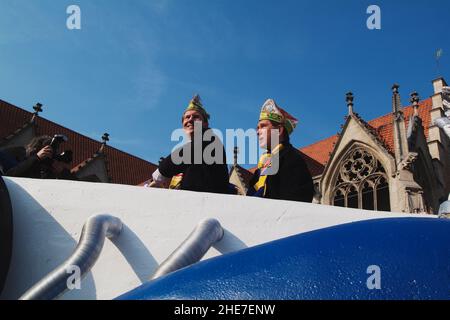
[(49, 215)]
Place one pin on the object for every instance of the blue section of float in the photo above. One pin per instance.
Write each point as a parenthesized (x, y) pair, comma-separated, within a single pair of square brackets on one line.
[(413, 255)]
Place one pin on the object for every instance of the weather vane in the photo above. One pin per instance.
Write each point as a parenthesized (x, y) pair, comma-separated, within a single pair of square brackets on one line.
[(439, 54)]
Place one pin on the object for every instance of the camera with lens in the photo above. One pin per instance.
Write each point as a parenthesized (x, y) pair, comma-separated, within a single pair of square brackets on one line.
[(66, 156)]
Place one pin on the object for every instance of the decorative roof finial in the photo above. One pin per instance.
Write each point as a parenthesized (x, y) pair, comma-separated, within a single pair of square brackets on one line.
[(415, 102), (396, 103), (395, 88), (105, 138), (349, 100), (37, 108), (236, 152)]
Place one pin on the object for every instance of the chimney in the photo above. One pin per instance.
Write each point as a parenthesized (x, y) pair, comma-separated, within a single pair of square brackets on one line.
[(438, 84)]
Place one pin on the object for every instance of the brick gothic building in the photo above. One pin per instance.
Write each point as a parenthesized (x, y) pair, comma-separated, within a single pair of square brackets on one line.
[(92, 160), (398, 162)]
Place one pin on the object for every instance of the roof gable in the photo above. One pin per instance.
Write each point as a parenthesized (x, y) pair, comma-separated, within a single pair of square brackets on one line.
[(382, 128), (123, 168)]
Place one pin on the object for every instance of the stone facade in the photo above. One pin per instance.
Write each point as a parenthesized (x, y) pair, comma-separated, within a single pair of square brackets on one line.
[(415, 170)]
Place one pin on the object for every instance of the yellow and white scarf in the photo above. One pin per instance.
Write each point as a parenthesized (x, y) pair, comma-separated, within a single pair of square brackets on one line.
[(264, 165)]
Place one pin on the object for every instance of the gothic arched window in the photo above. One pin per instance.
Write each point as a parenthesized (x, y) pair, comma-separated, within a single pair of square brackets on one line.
[(361, 183)]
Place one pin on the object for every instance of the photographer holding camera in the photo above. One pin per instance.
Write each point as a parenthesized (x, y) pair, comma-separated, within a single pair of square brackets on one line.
[(39, 159)]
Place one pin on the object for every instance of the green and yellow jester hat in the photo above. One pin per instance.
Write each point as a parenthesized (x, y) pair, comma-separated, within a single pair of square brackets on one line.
[(196, 104), (271, 111)]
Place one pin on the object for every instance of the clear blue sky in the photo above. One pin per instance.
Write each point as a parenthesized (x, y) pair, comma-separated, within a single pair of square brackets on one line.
[(134, 65)]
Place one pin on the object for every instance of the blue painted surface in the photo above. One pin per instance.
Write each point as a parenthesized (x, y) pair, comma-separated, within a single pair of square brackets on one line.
[(413, 255)]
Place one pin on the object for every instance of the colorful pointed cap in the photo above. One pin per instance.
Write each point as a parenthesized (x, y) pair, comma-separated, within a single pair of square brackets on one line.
[(196, 104), (271, 111)]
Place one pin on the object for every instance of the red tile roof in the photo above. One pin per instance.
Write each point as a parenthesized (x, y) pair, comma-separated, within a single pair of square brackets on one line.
[(314, 167), (12, 118), (320, 151), (123, 167)]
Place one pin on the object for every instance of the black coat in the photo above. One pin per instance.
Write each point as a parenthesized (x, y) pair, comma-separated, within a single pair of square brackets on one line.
[(201, 177), (293, 180), (7, 161), (31, 167)]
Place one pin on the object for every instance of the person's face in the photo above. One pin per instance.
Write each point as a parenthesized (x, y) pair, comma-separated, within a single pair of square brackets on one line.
[(189, 118), (264, 133)]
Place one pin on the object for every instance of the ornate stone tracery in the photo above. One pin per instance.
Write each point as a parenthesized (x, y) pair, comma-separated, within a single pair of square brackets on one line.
[(362, 182)]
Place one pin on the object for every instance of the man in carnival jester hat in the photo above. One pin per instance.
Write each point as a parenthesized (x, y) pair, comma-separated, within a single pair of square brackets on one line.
[(282, 172), (192, 171)]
